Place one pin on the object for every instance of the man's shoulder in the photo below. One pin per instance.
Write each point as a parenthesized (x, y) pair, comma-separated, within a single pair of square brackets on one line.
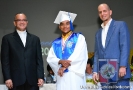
[(8, 35), (33, 35), (79, 34), (56, 40), (119, 22)]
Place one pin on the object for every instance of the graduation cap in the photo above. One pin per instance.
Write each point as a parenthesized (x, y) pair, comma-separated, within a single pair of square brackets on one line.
[(63, 15)]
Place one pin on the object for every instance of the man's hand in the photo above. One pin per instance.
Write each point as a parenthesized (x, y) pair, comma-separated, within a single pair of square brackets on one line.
[(61, 71), (65, 63), (40, 82), (9, 83), (95, 77), (122, 71)]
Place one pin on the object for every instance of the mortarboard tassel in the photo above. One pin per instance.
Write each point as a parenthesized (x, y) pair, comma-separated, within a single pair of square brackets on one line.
[(71, 24)]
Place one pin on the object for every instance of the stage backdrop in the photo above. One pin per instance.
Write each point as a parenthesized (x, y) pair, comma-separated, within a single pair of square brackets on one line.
[(42, 13)]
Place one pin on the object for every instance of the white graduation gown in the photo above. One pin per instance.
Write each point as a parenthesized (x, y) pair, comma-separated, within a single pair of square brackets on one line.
[(74, 79)]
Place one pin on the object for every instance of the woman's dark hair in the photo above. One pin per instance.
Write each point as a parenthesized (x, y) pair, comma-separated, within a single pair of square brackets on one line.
[(48, 68), (90, 62)]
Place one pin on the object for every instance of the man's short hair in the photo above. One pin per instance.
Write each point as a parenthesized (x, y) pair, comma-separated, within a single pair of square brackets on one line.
[(19, 13)]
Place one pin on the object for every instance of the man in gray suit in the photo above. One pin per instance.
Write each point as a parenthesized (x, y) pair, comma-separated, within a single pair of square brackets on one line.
[(21, 57), (112, 42)]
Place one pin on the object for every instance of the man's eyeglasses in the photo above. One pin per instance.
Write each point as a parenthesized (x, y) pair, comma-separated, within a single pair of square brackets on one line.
[(19, 20)]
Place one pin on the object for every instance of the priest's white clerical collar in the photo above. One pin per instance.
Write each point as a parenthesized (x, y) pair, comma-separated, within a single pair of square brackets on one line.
[(21, 32)]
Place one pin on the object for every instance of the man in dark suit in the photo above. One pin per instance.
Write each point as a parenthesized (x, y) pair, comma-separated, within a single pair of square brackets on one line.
[(21, 57), (112, 41)]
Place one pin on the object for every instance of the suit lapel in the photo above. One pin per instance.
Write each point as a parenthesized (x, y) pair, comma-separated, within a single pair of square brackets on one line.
[(17, 38), (28, 40), (110, 32), (100, 39)]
